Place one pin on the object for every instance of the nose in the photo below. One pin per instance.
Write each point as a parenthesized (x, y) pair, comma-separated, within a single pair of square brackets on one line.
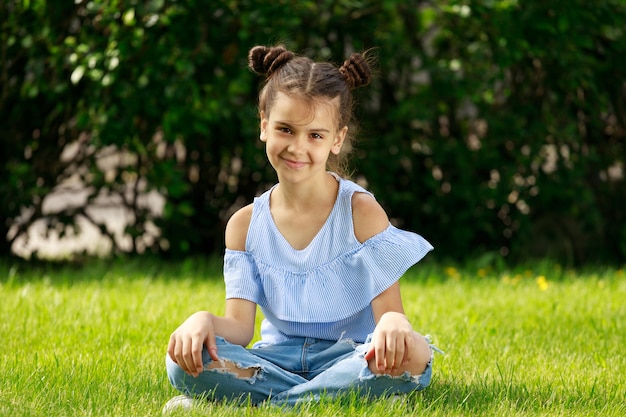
[(297, 144)]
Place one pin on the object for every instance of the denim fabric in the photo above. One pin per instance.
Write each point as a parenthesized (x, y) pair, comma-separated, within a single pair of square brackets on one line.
[(295, 370)]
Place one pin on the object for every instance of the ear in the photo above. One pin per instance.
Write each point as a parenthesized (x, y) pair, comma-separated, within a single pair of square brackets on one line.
[(338, 142), (264, 122)]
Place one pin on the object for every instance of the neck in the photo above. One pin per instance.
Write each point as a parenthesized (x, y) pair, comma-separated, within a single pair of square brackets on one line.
[(308, 195)]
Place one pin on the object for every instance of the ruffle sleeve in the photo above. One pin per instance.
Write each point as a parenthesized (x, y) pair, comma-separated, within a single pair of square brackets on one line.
[(241, 276)]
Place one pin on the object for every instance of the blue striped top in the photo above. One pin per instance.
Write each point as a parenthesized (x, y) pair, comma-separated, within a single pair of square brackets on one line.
[(325, 290)]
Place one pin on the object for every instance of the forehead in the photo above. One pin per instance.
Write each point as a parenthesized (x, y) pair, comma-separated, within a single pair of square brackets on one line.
[(301, 110)]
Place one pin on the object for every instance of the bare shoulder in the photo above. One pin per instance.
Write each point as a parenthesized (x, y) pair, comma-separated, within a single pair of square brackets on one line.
[(237, 228), (368, 215)]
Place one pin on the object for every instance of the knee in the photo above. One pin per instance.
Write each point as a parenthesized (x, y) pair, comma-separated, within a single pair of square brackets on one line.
[(420, 357)]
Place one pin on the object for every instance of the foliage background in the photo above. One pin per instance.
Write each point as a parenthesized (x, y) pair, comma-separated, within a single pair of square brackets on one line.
[(495, 128)]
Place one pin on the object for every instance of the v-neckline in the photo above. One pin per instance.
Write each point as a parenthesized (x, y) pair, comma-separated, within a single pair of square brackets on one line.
[(321, 229)]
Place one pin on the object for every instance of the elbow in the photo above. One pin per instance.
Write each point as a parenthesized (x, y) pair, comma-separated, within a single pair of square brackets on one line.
[(246, 338), (243, 336)]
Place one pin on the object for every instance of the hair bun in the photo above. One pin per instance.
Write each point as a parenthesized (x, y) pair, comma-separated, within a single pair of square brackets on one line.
[(266, 60), (356, 70)]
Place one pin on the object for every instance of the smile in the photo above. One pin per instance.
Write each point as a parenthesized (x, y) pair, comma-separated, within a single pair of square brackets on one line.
[(294, 164)]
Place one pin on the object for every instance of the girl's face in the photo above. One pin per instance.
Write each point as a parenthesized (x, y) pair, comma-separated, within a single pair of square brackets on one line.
[(300, 135)]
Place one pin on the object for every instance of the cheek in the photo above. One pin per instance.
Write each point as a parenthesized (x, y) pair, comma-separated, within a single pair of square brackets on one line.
[(272, 149), (321, 155), (271, 146)]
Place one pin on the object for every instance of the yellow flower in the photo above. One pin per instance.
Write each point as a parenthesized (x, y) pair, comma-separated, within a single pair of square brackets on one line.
[(512, 281), (542, 282), (452, 272)]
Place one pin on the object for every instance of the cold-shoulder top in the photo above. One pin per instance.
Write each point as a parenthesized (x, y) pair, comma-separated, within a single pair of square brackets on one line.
[(325, 290)]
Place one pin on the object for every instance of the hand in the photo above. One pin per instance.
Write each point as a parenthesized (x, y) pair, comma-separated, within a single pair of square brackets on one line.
[(392, 343), (186, 343)]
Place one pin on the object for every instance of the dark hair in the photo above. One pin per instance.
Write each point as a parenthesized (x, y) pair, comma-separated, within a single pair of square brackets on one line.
[(300, 76)]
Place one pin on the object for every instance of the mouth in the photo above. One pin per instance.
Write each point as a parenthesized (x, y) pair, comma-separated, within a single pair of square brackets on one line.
[(294, 164)]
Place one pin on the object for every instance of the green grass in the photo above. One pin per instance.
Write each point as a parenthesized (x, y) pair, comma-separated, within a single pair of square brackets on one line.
[(541, 341)]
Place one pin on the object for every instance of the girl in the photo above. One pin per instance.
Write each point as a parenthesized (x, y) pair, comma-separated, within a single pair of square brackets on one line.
[(318, 255)]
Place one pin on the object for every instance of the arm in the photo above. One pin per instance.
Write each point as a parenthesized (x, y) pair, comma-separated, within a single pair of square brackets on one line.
[(237, 324), (368, 216), (393, 341), (395, 347)]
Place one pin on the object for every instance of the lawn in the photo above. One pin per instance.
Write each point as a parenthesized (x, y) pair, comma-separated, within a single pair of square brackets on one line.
[(531, 341)]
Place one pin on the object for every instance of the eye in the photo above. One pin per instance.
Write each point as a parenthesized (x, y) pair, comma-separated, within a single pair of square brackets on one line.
[(316, 136), (283, 129)]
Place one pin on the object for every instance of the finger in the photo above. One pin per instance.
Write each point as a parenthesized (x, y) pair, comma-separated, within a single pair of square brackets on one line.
[(371, 354), (399, 354), (211, 346), (196, 355), (178, 354), (171, 346), (411, 346), (180, 358), (187, 357), (390, 353), (379, 349)]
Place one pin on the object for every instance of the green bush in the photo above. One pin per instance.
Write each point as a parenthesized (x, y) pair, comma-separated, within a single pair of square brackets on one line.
[(494, 127)]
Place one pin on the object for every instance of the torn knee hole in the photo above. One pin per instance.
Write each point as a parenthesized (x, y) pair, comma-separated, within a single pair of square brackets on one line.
[(230, 367)]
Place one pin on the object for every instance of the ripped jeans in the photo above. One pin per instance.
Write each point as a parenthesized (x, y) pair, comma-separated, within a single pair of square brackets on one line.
[(296, 370)]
